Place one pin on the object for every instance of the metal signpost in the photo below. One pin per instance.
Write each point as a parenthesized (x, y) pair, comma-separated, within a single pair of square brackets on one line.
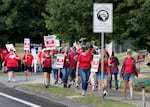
[(102, 23)]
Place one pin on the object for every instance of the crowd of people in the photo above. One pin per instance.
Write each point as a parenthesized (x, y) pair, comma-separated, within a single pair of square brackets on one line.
[(76, 68)]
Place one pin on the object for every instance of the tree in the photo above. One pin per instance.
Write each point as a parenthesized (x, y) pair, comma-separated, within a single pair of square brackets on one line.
[(21, 18)]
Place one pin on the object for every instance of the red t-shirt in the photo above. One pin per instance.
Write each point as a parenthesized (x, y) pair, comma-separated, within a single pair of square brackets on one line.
[(85, 61), (105, 66), (40, 54), (28, 59), (67, 61), (129, 65), (12, 60), (4, 53), (73, 60), (47, 61)]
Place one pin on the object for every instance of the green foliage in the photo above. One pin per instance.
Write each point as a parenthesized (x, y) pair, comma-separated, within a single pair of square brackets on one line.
[(21, 19)]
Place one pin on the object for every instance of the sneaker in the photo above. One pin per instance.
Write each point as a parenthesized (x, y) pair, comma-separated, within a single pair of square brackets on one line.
[(83, 92), (9, 80), (13, 80), (46, 86), (105, 93), (65, 86), (69, 85)]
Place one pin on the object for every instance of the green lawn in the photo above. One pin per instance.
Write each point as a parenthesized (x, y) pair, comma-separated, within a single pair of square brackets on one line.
[(76, 95)]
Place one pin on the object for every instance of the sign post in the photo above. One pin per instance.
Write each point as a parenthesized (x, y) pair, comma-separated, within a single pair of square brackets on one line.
[(102, 23)]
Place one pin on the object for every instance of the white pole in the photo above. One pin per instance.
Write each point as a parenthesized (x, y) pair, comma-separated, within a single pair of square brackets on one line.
[(143, 97), (102, 62)]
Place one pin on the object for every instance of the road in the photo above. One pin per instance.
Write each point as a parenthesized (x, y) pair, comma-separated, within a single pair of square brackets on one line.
[(10, 97)]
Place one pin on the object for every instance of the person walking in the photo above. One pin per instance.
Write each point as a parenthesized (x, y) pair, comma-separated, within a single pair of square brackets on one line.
[(28, 63), (114, 70), (128, 72), (73, 61), (54, 68), (47, 61), (106, 75), (65, 69), (11, 62), (83, 67)]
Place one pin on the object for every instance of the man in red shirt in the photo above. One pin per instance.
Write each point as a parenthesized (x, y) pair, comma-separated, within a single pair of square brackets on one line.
[(11, 61), (28, 63)]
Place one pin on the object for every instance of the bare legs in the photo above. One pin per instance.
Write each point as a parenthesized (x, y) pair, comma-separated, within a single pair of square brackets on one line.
[(46, 79), (125, 85), (11, 76), (27, 74)]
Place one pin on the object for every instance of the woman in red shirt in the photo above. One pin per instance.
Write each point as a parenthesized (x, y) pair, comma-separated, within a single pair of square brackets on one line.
[(28, 63), (106, 74), (73, 61), (127, 73), (83, 67), (47, 61), (11, 61)]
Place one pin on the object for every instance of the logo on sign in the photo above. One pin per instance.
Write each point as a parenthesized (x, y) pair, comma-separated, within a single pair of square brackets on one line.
[(103, 15)]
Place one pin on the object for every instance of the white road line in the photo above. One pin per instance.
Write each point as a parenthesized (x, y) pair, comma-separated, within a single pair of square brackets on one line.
[(19, 100)]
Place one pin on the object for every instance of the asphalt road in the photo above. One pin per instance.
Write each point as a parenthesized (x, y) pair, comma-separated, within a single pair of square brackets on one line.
[(10, 97)]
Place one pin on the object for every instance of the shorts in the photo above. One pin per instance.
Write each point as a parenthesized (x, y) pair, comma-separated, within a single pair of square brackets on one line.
[(98, 76), (127, 77), (48, 70), (12, 69), (28, 67)]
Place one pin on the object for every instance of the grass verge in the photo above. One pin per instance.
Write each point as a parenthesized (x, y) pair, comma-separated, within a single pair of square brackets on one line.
[(76, 95)]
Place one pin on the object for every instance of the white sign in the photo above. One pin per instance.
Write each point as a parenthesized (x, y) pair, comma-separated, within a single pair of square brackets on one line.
[(109, 48), (95, 63), (102, 18), (49, 41), (26, 44), (57, 42), (10, 47), (60, 61)]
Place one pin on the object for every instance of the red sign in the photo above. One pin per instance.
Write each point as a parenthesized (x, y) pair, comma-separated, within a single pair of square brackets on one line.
[(49, 41), (95, 63), (60, 61), (141, 58)]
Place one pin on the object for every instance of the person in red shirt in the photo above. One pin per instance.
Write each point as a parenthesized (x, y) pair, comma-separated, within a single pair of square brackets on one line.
[(28, 63), (65, 69), (83, 67), (106, 74), (11, 62), (47, 61), (127, 73), (73, 61)]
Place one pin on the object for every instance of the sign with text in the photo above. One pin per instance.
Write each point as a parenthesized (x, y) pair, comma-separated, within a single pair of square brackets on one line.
[(141, 55), (10, 47), (49, 41), (26, 44), (95, 63), (60, 61), (102, 18)]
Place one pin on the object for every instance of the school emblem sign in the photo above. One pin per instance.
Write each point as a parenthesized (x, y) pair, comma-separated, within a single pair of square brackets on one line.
[(102, 18)]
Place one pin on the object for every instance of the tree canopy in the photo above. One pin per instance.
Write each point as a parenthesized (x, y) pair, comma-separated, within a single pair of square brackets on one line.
[(72, 19)]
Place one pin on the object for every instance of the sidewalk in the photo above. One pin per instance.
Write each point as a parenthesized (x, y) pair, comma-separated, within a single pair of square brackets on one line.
[(113, 94)]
